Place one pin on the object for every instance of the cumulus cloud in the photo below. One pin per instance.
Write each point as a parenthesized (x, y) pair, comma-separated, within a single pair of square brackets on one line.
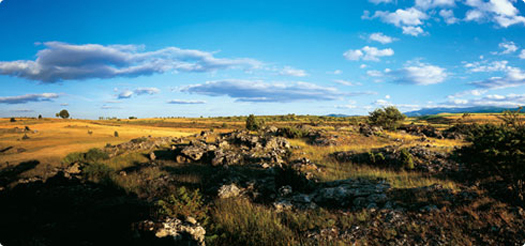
[(494, 66), (61, 61), (507, 47), (259, 91), (374, 73), (146, 90), (178, 101), (448, 16), (28, 98), (367, 53), (413, 30), (502, 12), (513, 77), (409, 19), (428, 4), (290, 71), (419, 74), (125, 94), (522, 54), (381, 38)]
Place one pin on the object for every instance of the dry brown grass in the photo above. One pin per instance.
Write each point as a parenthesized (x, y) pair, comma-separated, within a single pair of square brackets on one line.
[(55, 138)]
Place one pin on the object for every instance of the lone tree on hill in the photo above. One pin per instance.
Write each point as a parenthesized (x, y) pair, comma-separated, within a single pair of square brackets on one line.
[(12, 119), (39, 116), (63, 114), (252, 123), (388, 117)]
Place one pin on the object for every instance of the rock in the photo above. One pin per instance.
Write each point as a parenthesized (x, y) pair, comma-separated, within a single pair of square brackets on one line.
[(228, 191), (282, 205), (152, 156), (181, 159), (285, 190), (182, 233), (74, 168)]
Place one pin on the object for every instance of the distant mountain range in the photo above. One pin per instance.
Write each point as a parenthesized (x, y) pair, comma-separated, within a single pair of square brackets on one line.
[(434, 111)]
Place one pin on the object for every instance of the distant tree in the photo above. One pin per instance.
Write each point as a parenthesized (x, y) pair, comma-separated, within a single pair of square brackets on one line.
[(63, 114), (12, 119), (388, 117), (252, 123), (115, 134), (39, 116), (57, 115), (132, 118)]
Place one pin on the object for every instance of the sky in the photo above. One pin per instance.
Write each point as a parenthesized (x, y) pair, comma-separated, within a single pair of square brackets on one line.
[(196, 58)]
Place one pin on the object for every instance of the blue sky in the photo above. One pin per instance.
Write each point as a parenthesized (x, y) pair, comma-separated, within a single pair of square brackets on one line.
[(192, 58)]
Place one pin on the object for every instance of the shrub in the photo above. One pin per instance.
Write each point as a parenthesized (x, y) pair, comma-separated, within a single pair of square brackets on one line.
[(39, 116), (73, 157), (499, 150), (98, 173), (63, 114), (252, 123), (96, 154), (388, 117), (115, 134), (184, 203), (407, 160), (292, 132), (12, 119)]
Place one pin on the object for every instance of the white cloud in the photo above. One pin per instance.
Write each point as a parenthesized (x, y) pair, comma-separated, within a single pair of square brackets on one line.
[(259, 91), (62, 61), (513, 77), (381, 38), (508, 47), (125, 94), (475, 92), (374, 73), (367, 53), (402, 17), (28, 98), (336, 72), (147, 90), (448, 16), (419, 74), (177, 101), (380, 1), (428, 4), (522, 54), (502, 12), (387, 97), (290, 71), (362, 66), (346, 82), (495, 66), (413, 30), (510, 100)]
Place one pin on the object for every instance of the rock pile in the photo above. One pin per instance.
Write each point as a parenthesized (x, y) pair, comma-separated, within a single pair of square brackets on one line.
[(424, 159), (236, 148), (143, 143), (188, 232)]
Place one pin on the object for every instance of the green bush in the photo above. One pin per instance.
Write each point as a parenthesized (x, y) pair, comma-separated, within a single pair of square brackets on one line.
[(252, 123), (292, 132), (64, 114), (91, 156), (407, 160), (184, 203), (388, 117), (98, 173)]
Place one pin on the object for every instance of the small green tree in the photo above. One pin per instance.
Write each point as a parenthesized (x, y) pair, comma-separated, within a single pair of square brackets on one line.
[(115, 134), (63, 114), (12, 119), (39, 116), (388, 117), (252, 123)]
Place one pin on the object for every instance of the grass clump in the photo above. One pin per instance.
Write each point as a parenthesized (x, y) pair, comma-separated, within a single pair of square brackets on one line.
[(98, 173), (91, 156), (184, 203), (239, 222), (292, 132)]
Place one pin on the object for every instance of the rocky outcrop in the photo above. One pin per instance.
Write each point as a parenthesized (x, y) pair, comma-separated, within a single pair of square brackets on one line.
[(421, 130), (143, 143), (187, 232), (368, 130), (422, 158)]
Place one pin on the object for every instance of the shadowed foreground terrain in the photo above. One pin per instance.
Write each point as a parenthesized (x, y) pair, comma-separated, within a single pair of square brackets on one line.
[(296, 180)]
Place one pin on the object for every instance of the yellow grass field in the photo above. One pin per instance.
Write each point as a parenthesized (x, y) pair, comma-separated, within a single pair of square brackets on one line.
[(52, 139)]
